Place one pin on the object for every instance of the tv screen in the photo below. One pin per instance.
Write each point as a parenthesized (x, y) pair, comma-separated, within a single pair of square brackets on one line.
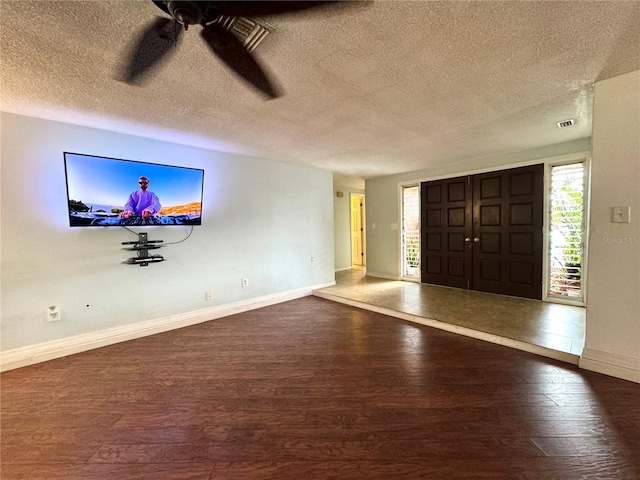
[(110, 192)]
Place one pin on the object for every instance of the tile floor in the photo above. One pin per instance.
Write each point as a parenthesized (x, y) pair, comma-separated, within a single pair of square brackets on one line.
[(548, 329)]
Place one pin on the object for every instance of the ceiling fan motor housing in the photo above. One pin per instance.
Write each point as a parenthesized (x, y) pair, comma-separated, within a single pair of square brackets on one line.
[(185, 12)]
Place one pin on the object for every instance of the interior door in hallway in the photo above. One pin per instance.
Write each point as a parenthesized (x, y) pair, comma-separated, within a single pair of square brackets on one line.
[(357, 229), (484, 232)]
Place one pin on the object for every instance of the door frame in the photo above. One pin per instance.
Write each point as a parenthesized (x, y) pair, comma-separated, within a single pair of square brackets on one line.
[(581, 156)]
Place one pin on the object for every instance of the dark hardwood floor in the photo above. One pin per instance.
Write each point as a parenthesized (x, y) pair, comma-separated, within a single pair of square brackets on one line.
[(312, 389)]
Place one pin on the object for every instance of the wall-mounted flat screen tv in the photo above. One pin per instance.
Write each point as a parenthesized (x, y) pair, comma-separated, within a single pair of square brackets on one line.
[(110, 192)]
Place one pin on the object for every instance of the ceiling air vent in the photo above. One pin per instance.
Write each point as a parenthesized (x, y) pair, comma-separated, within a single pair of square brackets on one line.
[(566, 123), (251, 31)]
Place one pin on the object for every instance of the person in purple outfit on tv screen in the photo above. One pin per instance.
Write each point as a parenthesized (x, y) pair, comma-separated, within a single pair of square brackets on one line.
[(141, 203)]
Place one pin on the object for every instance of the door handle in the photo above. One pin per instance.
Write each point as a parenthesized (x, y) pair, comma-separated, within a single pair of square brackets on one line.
[(476, 239), (468, 239)]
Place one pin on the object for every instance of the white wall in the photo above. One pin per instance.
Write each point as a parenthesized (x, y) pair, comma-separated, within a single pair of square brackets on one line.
[(613, 295), (383, 241), (342, 225), (262, 220)]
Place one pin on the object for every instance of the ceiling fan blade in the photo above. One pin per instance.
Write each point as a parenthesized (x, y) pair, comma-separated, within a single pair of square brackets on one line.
[(233, 53), (157, 40), (266, 8)]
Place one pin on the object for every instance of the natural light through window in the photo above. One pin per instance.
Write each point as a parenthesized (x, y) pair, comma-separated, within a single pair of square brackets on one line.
[(411, 231), (566, 246)]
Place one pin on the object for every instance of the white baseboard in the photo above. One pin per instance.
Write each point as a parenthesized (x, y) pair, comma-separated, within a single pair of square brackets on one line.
[(382, 275), (41, 352), (619, 366), (343, 269)]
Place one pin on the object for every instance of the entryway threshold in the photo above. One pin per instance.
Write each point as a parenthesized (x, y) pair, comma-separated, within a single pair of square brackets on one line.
[(468, 332)]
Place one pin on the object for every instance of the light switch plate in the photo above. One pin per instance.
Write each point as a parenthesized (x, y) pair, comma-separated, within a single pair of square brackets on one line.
[(621, 214)]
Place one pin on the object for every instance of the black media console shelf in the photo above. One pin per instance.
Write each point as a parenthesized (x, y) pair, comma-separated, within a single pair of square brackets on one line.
[(142, 246)]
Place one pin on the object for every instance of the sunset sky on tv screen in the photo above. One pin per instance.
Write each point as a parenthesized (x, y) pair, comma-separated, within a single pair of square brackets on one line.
[(108, 182)]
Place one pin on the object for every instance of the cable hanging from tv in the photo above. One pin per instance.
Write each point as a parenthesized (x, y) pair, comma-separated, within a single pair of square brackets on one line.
[(142, 246)]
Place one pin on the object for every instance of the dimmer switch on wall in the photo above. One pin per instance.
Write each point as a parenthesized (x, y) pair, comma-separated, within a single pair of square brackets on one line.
[(621, 214)]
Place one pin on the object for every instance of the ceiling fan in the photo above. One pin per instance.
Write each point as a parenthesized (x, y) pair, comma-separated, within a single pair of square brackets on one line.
[(160, 37)]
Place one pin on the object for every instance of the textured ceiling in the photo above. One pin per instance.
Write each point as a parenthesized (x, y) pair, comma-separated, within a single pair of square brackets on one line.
[(393, 87)]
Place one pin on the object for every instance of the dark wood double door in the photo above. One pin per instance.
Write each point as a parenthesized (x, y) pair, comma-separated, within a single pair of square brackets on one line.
[(484, 232)]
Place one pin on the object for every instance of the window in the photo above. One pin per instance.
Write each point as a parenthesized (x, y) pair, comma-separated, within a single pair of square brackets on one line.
[(411, 232), (566, 233)]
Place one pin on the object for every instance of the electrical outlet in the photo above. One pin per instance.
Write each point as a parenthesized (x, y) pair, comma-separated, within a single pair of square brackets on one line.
[(208, 296), (53, 313), (245, 282)]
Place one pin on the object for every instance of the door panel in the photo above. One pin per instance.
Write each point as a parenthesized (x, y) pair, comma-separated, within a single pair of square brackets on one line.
[(484, 232), (508, 212), (357, 251), (446, 210)]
